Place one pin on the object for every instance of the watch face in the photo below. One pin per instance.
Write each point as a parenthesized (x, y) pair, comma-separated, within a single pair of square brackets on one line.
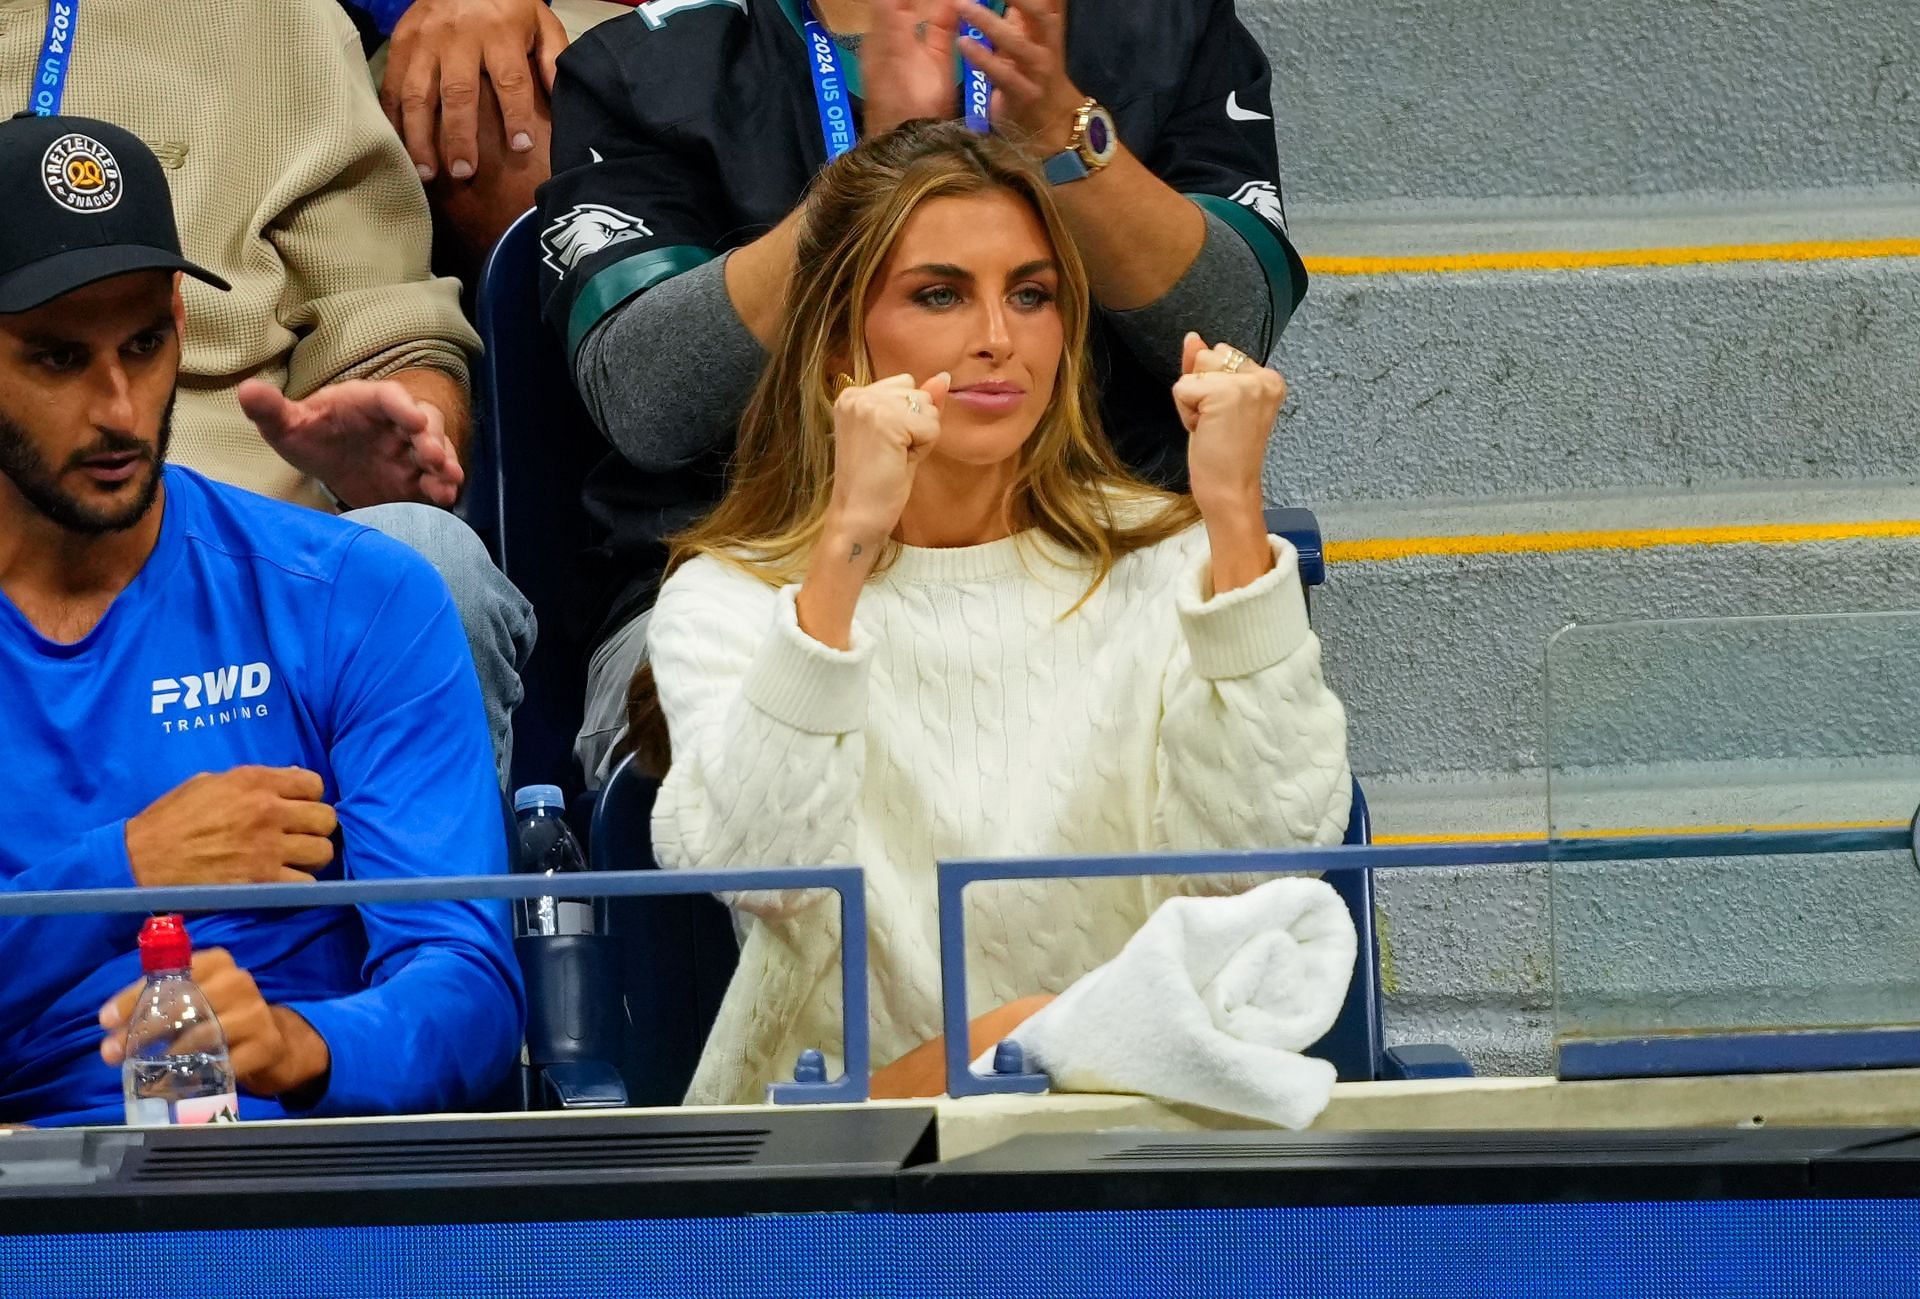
[(1100, 140)]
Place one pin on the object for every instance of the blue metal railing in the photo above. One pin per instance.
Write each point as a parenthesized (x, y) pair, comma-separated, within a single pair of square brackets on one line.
[(956, 876), (847, 881)]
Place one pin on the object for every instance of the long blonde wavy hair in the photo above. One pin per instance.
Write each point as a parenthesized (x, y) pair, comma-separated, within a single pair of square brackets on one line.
[(781, 480), (1071, 487)]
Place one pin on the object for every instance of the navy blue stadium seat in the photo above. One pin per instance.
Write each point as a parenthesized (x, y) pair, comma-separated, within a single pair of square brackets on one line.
[(1355, 1044), (533, 447), (680, 952), (1352, 1045)]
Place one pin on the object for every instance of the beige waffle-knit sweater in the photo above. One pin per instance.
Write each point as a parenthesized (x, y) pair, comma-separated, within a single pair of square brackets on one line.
[(971, 719), (287, 181)]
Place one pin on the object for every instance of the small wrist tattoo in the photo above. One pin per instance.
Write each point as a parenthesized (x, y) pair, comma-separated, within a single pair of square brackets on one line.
[(920, 32), (858, 550)]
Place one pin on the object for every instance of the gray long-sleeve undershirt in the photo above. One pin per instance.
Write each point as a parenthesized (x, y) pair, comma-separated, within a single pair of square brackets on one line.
[(667, 375)]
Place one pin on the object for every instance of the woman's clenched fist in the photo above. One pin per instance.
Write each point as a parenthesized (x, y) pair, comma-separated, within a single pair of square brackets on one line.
[(881, 432), (1228, 402), (1229, 416)]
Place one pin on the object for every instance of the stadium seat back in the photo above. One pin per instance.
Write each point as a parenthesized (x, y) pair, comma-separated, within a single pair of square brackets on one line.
[(1352, 1045), (533, 448), (679, 952)]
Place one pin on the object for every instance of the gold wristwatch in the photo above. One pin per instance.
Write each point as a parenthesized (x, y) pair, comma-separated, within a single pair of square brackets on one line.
[(1091, 146)]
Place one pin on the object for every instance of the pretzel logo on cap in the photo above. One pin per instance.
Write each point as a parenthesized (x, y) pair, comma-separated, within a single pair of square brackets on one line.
[(81, 174)]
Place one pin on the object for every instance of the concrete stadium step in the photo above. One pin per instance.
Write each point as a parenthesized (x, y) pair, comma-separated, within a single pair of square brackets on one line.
[(1466, 959), (1436, 616), (1456, 806), (1463, 98), (1468, 953), (1660, 798), (1530, 348), (1615, 313)]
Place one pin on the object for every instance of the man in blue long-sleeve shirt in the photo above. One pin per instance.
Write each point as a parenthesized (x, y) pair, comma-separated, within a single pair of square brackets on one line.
[(202, 686)]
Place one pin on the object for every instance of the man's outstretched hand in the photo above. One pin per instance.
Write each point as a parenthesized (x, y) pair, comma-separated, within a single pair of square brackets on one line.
[(371, 441)]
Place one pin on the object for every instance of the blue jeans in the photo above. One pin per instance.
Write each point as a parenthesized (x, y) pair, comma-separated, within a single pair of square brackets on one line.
[(497, 618), (608, 676)]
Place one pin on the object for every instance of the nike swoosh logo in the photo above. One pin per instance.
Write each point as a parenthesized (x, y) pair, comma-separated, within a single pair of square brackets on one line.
[(1239, 114)]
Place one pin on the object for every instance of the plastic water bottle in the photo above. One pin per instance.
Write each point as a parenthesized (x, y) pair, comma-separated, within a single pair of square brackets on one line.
[(547, 847), (176, 1068), (575, 1016)]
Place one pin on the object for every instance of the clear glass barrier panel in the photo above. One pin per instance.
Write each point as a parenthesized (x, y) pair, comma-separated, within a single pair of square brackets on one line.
[(1660, 732)]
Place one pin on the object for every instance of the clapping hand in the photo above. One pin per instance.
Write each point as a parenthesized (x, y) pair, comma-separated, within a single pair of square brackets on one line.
[(907, 63), (1027, 65)]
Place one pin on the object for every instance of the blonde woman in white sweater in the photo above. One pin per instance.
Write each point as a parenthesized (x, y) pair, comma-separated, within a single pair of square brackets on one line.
[(933, 617)]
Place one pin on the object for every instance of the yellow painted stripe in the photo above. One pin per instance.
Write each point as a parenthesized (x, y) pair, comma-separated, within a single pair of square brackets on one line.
[(1563, 259), (1533, 836), (1377, 549)]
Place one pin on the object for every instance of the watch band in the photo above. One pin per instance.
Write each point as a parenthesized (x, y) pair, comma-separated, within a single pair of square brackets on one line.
[(1065, 167)]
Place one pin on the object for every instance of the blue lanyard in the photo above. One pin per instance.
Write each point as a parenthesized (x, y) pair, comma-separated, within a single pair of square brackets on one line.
[(831, 97), (50, 74), (829, 90), (977, 91)]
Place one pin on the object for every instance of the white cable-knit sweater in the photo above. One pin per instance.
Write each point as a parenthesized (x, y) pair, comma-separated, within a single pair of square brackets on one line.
[(971, 719)]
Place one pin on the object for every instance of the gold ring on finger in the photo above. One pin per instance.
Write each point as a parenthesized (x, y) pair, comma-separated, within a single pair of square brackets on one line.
[(1235, 359)]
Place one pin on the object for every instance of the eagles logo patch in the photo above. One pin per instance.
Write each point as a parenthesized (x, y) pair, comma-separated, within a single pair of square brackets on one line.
[(584, 231), (1264, 199), (80, 174)]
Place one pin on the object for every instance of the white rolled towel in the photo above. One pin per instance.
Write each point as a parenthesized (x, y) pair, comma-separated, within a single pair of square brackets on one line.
[(1210, 1003)]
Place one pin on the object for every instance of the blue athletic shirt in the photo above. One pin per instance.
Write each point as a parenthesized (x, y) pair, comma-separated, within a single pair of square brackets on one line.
[(261, 633)]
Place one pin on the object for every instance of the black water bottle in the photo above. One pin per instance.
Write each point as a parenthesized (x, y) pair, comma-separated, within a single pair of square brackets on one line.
[(547, 847), (572, 970)]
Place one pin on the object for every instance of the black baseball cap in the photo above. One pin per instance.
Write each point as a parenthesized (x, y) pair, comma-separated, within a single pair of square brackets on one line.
[(86, 201)]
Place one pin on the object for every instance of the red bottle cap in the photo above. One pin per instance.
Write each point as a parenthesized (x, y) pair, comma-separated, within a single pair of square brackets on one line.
[(164, 944)]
